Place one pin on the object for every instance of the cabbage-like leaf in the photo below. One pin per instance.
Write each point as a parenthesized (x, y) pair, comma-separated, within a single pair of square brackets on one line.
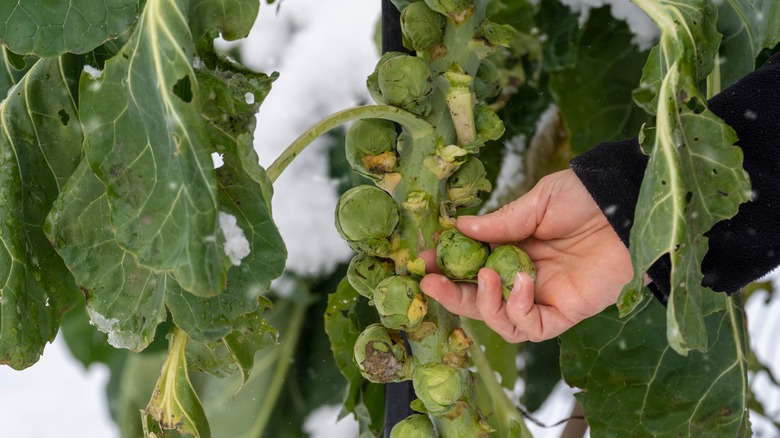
[(147, 143), (694, 177), (40, 146), (634, 384), (50, 28)]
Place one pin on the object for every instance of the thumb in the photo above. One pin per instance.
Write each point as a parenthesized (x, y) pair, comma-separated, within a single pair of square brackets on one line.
[(512, 223)]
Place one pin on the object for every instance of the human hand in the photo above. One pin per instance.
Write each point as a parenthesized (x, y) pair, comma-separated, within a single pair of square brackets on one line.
[(581, 263)]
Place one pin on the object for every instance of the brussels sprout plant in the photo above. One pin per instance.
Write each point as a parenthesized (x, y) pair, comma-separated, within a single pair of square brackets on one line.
[(118, 226)]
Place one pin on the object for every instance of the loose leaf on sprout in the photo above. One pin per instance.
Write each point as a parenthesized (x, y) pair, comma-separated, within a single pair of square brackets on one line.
[(40, 146), (174, 404), (124, 299), (634, 384), (694, 177), (48, 29), (148, 145)]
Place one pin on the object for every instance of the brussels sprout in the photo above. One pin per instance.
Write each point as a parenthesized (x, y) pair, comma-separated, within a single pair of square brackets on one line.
[(405, 82), (460, 257), (414, 426), (400, 303), (366, 217), (438, 386), (365, 272), (370, 147), (507, 261), (497, 34), (487, 81), (489, 125), (422, 28), (372, 82), (381, 356), (458, 10), (467, 183)]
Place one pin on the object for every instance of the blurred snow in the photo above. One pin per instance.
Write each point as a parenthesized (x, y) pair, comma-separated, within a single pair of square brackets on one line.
[(323, 50), (55, 397), (644, 29)]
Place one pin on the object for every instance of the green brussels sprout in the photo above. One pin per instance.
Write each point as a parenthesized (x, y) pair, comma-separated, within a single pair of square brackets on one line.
[(466, 185), (380, 355), (487, 81), (372, 82), (405, 82), (370, 147), (414, 426), (507, 261), (400, 303), (438, 386), (460, 257), (366, 217), (365, 272), (422, 28), (489, 125), (458, 10)]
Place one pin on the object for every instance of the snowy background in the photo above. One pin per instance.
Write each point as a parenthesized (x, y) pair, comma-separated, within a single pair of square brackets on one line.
[(323, 49)]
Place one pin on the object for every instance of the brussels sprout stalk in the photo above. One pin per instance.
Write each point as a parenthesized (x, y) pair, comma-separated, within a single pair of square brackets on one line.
[(415, 126), (461, 105)]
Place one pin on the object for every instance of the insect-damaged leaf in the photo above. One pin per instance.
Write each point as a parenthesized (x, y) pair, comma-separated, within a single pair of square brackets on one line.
[(40, 146), (50, 28), (148, 145), (694, 177), (633, 384)]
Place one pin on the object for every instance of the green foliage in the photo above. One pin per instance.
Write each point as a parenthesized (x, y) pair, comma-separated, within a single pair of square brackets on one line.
[(635, 384)]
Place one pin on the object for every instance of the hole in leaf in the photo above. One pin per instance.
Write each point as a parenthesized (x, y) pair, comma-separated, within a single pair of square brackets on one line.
[(714, 171), (688, 197), (64, 117), (663, 182), (183, 89), (16, 61)]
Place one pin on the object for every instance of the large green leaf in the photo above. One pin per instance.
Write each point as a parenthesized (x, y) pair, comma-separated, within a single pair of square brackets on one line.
[(124, 299), (148, 145), (49, 28), (634, 384), (40, 146), (593, 92), (694, 177)]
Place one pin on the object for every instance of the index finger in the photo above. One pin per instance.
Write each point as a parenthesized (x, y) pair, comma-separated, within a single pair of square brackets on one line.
[(511, 223)]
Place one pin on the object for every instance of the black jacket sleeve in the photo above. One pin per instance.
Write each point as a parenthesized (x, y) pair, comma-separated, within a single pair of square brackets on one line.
[(741, 249)]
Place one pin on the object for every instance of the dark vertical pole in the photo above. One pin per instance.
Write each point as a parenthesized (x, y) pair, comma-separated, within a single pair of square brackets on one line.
[(399, 395)]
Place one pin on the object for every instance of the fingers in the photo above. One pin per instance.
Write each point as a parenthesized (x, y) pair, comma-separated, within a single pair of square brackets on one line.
[(537, 321), (512, 223), (492, 307), (458, 298)]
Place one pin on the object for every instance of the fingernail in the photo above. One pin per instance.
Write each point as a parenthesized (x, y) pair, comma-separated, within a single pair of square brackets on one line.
[(480, 284), (518, 283)]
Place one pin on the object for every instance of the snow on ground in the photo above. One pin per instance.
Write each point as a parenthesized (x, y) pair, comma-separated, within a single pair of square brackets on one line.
[(323, 50)]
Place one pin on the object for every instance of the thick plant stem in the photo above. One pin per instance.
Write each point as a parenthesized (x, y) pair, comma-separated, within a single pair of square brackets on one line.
[(506, 411), (414, 125)]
